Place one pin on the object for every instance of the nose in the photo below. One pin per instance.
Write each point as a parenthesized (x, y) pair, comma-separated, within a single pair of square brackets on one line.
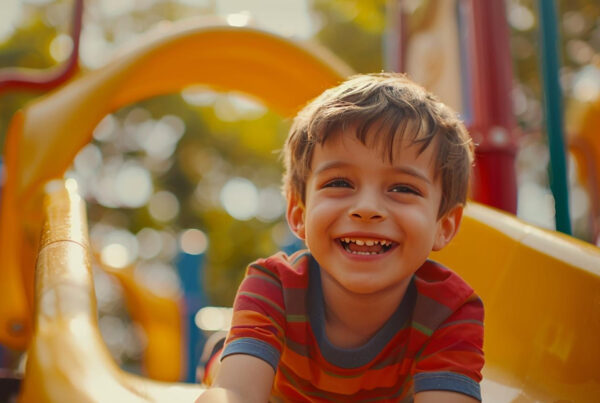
[(366, 208)]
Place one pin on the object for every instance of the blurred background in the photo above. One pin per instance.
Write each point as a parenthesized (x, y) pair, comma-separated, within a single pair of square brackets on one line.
[(198, 173)]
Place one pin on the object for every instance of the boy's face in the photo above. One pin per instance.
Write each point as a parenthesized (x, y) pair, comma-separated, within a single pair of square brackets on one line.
[(368, 222)]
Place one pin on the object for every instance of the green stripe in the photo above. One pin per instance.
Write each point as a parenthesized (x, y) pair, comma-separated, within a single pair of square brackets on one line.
[(276, 325), (268, 279), (296, 318), (263, 299), (459, 322), (422, 328), (264, 270), (340, 376)]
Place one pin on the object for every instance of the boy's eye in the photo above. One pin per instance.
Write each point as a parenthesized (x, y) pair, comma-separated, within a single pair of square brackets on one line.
[(405, 189), (338, 183)]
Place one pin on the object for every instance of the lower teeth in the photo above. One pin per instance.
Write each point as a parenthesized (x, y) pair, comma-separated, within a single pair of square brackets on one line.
[(361, 252)]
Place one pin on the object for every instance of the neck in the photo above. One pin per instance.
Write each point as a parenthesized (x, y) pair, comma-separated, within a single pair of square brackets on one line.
[(352, 319)]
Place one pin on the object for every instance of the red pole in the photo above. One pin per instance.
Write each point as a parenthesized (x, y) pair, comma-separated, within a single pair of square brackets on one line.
[(45, 80), (492, 124)]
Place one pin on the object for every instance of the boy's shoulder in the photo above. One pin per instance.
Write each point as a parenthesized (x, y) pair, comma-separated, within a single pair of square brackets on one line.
[(283, 267), (442, 291)]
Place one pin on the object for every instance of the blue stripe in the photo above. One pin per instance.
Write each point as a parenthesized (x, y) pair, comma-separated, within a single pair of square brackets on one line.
[(446, 380), (254, 347)]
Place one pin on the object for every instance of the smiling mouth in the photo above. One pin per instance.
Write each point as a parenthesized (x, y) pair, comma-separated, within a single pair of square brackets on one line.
[(365, 246)]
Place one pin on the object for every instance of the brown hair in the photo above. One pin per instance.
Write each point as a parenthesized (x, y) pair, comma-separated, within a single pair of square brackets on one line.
[(391, 104)]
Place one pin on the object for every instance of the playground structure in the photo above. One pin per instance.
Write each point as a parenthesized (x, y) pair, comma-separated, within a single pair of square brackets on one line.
[(540, 331)]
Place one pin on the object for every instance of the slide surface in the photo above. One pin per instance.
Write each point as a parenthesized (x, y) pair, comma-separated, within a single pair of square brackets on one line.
[(541, 292)]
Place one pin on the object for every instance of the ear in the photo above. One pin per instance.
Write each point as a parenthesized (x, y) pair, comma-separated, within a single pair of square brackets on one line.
[(295, 216), (447, 227)]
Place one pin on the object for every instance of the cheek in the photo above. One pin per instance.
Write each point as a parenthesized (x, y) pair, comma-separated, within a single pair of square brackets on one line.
[(320, 216), (418, 221), (323, 208)]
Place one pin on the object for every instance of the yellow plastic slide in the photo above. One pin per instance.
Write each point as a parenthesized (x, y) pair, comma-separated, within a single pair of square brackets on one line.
[(67, 359), (541, 292), (541, 289)]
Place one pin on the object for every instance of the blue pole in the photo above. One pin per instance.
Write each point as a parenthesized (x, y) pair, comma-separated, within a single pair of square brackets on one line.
[(554, 113), (190, 268)]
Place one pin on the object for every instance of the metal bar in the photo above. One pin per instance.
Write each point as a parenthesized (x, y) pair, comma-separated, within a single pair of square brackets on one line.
[(491, 121), (554, 113)]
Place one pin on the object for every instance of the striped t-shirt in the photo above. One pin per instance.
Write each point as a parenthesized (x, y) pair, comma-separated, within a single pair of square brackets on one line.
[(433, 341)]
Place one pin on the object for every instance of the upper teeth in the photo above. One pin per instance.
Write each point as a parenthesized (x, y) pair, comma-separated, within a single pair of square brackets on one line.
[(368, 242)]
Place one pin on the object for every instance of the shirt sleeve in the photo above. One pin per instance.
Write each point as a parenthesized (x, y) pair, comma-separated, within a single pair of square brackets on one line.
[(258, 323), (452, 358)]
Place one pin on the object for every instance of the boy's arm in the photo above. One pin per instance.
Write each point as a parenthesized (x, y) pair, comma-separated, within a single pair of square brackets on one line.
[(241, 378), (452, 359), (436, 396)]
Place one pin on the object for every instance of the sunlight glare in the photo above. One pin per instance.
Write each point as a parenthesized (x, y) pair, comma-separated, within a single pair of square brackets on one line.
[(238, 19)]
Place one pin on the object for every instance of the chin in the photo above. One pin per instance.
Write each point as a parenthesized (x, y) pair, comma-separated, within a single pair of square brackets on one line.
[(362, 286)]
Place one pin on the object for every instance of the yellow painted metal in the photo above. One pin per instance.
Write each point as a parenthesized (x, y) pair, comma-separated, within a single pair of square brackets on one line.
[(67, 359), (44, 137), (541, 291)]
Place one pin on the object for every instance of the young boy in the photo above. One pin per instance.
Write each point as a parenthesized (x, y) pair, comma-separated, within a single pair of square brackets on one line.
[(376, 178)]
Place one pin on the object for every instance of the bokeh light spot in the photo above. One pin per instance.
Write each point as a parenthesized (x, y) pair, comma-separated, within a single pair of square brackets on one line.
[(9, 18), (133, 186), (239, 197), (159, 278), (193, 241), (163, 206), (115, 255), (61, 47), (213, 318), (271, 204), (106, 129), (238, 19), (88, 160), (150, 243)]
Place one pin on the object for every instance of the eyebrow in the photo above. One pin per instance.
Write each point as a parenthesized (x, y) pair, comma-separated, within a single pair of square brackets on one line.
[(413, 172), (331, 165), (406, 170)]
